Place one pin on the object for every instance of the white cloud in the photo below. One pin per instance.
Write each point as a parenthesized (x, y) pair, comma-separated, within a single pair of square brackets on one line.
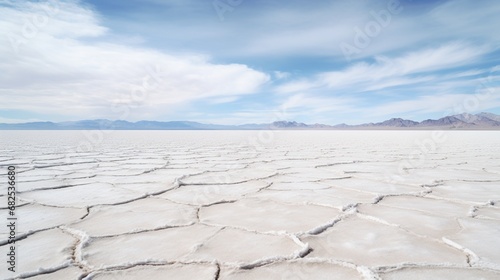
[(58, 70), (279, 75)]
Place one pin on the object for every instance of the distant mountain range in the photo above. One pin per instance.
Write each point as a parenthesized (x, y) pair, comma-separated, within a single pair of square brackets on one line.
[(465, 121)]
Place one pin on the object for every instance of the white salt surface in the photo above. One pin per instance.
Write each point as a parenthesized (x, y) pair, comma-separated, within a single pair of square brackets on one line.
[(35, 217), (254, 205), (44, 251)]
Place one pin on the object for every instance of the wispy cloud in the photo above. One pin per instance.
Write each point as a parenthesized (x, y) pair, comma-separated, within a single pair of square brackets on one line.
[(445, 104), (387, 72)]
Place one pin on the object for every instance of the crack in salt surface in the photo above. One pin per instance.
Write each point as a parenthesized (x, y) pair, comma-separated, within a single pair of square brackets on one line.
[(304, 251), (379, 198), (83, 239), (232, 183), (472, 258), (41, 271), (53, 188), (217, 272), (151, 263), (320, 229)]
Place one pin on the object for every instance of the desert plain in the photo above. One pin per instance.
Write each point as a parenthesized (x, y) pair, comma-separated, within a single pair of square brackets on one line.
[(253, 204)]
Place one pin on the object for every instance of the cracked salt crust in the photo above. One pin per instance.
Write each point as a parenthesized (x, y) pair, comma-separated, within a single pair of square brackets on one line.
[(209, 205)]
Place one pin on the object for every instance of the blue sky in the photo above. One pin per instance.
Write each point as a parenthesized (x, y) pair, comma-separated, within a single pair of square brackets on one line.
[(242, 61)]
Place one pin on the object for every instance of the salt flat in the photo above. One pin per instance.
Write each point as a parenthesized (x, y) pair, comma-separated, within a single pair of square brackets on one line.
[(254, 204)]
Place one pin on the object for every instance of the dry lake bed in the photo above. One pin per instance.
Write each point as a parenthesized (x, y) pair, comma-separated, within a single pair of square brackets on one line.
[(251, 205)]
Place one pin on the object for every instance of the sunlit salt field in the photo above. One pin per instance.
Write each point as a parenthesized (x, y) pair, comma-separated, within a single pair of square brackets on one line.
[(253, 204)]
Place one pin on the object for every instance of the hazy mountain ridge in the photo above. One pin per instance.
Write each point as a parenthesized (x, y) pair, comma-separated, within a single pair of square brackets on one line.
[(461, 121)]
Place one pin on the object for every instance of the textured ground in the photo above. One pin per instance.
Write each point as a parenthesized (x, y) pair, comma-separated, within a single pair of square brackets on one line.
[(254, 205)]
